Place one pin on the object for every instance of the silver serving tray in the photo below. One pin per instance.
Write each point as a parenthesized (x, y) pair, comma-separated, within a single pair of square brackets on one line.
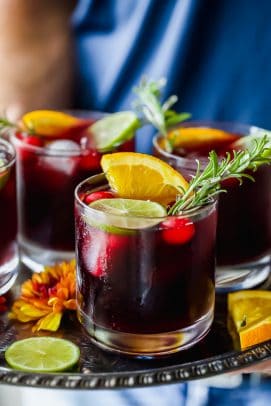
[(98, 369)]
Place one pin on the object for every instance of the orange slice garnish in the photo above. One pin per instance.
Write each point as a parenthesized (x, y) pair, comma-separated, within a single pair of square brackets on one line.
[(192, 138), (143, 177), (49, 123), (250, 312)]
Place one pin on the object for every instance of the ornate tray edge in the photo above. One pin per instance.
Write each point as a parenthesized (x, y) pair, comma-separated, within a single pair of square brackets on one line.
[(175, 374)]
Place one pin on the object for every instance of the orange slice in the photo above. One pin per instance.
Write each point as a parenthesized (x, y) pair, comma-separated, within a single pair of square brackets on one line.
[(142, 177), (250, 311), (49, 123), (191, 138)]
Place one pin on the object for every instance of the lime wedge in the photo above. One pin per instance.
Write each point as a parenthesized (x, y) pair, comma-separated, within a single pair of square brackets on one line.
[(127, 214), (114, 129), (42, 354)]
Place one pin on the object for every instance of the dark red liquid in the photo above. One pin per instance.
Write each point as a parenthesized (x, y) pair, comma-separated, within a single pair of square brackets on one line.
[(8, 216), (244, 217), (244, 220), (140, 283), (46, 186)]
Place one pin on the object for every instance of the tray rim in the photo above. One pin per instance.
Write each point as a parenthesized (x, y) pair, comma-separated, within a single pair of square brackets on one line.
[(208, 367), (179, 373)]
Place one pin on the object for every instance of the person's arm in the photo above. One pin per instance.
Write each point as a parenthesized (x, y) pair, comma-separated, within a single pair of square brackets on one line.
[(36, 56)]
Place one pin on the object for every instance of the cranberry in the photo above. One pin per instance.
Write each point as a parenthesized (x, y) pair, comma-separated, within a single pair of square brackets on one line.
[(117, 241), (33, 140), (91, 197), (91, 160), (178, 230), (20, 135)]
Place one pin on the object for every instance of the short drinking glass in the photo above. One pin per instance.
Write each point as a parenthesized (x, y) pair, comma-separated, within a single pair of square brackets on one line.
[(46, 179), (140, 292), (244, 216)]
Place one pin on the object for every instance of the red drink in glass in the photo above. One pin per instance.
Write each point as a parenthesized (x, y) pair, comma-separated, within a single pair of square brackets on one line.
[(8, 215), (47, 174), (140, 291), (244, 218)]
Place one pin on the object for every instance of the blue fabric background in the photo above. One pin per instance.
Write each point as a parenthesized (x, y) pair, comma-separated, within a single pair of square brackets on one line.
[(216, 55)]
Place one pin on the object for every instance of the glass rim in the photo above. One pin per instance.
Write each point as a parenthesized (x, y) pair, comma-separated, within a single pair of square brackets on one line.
[(60, 152), (101, 176), (10, 149), (245, 129)]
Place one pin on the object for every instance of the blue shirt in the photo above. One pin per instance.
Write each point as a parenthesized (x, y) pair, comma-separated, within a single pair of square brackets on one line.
[(215, 54)]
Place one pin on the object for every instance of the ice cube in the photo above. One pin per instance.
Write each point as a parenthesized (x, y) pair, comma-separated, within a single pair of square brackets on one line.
[(63, 148), (61, 156), (94, 252)]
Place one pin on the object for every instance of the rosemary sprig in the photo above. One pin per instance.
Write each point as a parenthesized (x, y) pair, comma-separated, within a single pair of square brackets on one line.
[(152, 111), (206, 183)]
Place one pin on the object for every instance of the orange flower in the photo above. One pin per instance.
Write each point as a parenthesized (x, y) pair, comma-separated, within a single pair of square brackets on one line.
[(3, 307), (46, 296)]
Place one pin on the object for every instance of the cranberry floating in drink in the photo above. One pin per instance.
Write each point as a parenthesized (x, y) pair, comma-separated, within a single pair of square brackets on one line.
[(145, 241), (244, 218), (145, 280), (55, 152), (8, 216)]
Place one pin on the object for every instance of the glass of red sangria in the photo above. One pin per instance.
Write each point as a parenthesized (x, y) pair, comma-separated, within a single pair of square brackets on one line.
[(244, 217), (8, 216), (56, 151), (145, 279)]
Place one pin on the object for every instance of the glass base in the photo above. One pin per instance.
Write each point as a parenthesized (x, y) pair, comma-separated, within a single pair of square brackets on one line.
[(244, 276), (8, 273), (147, 345), (35, 257)]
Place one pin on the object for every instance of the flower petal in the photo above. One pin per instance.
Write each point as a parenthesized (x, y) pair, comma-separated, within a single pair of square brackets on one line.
[(50, 322)]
